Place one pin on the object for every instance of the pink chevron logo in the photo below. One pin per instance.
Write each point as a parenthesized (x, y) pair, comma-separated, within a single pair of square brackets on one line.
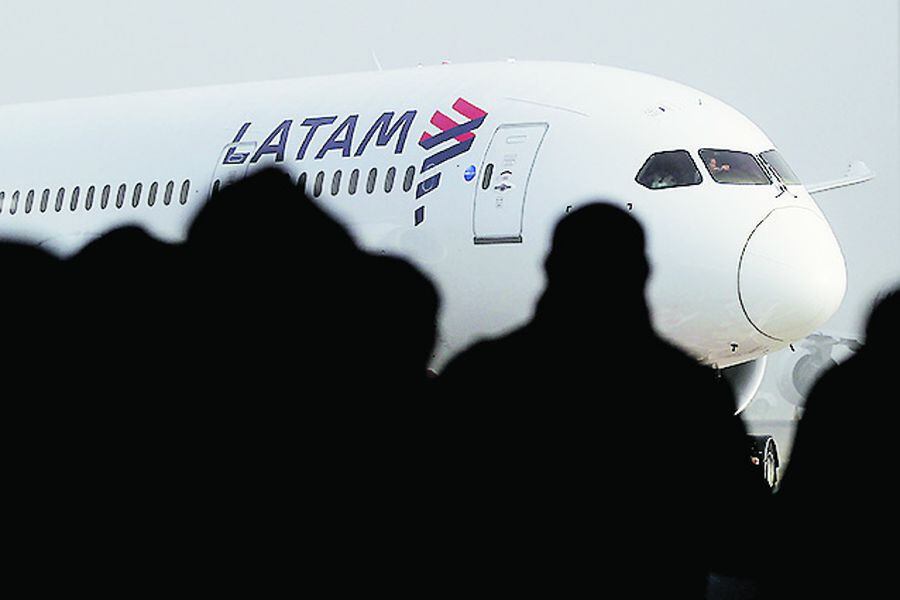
[(445, 123)]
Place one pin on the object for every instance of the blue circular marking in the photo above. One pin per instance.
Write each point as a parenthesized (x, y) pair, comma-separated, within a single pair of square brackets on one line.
[(470, 173)]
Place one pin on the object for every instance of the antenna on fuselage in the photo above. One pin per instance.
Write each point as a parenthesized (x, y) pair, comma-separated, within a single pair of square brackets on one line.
[(377, 62)]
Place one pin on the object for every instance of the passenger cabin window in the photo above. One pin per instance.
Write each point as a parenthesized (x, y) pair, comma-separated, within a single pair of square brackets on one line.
[(782, 170), (29, 202), (170, 189), (370, 183), (120, 196), (89, 199), (736, 168), (336, 183), (320, 182), (674, 168), (354, 182), (389, 180), (408, 178), (185, 191), (151, 197), (104, 197)]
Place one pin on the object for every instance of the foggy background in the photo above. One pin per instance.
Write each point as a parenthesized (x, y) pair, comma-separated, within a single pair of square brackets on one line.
[(820, 77)]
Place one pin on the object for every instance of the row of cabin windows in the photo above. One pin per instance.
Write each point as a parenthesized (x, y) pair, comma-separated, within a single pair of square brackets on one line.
[(354, 184), (91, 196)]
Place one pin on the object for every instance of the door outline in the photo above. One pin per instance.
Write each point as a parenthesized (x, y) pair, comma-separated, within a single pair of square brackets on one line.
[(512, 238)]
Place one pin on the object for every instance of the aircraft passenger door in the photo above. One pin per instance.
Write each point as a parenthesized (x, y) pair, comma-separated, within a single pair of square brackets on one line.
[(502, 188), (233, 164)]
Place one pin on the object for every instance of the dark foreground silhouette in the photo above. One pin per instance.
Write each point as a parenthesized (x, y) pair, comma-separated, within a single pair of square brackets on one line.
[(591, 452), (249, 410), (238, 402), (838, 499)]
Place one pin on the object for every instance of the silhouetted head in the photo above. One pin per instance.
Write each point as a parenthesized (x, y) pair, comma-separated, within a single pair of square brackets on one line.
[(268, 266), (267, 213), (598, 256), (127, 286), (24, 265), (126, 268), (126, 252), (883, 327)]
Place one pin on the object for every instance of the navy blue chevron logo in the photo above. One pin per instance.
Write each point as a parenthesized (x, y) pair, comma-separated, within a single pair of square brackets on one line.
[(451, 131)]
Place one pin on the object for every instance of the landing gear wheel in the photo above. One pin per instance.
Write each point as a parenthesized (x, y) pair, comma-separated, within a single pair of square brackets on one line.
[(764, 456)]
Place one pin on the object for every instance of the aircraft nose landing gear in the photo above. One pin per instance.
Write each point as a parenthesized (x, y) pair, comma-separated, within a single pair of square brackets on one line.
[(764, 456)]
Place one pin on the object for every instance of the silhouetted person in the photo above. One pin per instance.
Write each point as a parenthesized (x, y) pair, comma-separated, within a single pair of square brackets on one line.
[(275, 278), (90, 337), (132, 424), (129, 303), (588, 452), (287, 303), (260, 386), (314, 353), (835, 509)]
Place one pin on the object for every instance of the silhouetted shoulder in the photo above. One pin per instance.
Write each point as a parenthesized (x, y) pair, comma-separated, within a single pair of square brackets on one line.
[(22, 263), (489, 362), (398, 332), (124, 250), (839, 485)]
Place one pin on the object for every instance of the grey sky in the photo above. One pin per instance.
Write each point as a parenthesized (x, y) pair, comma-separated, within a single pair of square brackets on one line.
[(819, 76)]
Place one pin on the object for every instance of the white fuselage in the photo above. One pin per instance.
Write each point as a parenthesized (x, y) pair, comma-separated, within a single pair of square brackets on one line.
[(738, 271)]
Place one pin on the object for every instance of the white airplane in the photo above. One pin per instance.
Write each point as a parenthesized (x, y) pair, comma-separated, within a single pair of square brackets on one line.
[(464, 170)]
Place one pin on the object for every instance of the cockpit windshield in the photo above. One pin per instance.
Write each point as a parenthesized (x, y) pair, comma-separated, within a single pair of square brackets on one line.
[(732, 167), (784, 172), (669, 169)]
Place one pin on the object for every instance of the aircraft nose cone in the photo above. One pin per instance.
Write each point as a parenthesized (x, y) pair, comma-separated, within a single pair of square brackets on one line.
[(792, 275)]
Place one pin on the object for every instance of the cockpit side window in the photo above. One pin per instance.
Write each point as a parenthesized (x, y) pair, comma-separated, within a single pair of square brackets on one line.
[(782, 170), (669, 169), (732, 167)]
